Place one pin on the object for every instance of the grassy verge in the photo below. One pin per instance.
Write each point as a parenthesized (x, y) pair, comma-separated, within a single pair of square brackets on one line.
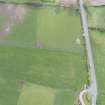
[(51, 28), (47, 27), (96, 21), (23, 33), (98, 43)]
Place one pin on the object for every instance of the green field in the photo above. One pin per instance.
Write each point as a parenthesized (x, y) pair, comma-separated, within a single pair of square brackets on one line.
[(56, 29), (48, 27), (98, 43), (44, 96), (36, 95), (23, 33), (58, 70), (97, 17), (44, 49), (97, 21)]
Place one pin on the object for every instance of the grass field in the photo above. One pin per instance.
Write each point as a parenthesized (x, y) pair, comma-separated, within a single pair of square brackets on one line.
[(48, 27), (56, 29), (44, 96), (36, 95), (97, 17), (23, 33), (58, 70), (98, 43), (97, 20)]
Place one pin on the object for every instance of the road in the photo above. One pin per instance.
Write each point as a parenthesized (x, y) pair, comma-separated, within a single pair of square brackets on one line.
[(81, 96), (90, 61)]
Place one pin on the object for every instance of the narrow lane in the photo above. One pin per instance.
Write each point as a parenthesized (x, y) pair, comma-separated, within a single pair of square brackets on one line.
[(90, 61), (81, 96)]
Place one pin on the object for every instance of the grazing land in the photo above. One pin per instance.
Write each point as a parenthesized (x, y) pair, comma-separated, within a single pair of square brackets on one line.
[(44, 96), (56, 29), (98, 43), (47, 27), (39, 67), (96, 19), (19, 28), (43, 47), (30, 92)]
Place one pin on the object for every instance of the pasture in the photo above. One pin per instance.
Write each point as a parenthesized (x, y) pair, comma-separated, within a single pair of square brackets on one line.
[(48, 27), (98, 44), (42, 46), (97, 17), (96, 20), (58, 70), (36, 95), (56, 29), (32, 94)]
